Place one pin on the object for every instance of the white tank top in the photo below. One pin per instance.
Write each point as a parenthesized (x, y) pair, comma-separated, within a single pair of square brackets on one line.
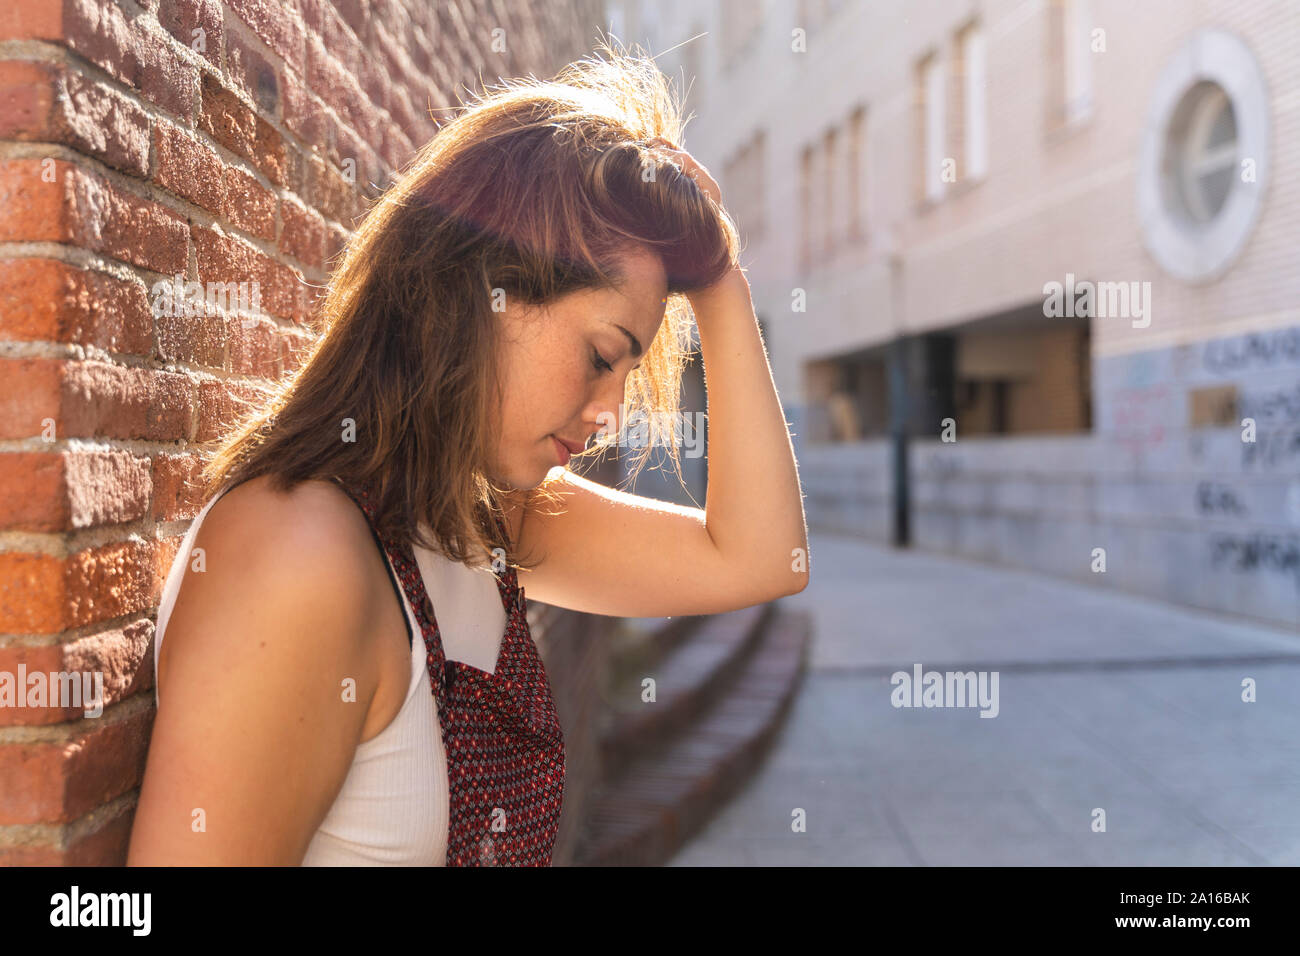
[(392, 809)]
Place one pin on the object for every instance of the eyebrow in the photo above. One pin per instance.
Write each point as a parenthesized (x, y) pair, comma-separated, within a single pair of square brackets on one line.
[(632, 340)]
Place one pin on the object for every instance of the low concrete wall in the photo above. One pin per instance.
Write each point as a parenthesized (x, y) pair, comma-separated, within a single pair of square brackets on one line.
[(847, 487)]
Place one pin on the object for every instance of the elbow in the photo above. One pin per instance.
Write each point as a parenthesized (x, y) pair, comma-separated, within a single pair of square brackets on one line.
[(789, 583)]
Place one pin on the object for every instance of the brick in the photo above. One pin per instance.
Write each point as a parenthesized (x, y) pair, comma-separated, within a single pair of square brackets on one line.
[(375, 85), (106, 488), (250, 72), (327, 78), (304, 235), (106, 846), (83, 209), (305, 115), (123, 225), (177, 494), (47, 300), (32, 491), (198, 339), (222, 406), (223, 258), (335, 197), (181, 18), (111, 580), (188, 167), (123, 655), (65, 780), (255, 348), (39, 21), (31, 208), (103, 33), (248, 205), (334, 35), (356, 14), (425, 87), (341, 26), (366, 167), (233, 124), (120, 656), (32, 590), (44, 102), (192, 170), (293, 88), (278, 25), (30, 398), (126, 402), (92, 399), (60, 492), (415, 125), (396, 149), (43, 659)]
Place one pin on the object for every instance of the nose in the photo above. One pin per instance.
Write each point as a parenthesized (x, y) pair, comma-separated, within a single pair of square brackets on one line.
[(604, 414)]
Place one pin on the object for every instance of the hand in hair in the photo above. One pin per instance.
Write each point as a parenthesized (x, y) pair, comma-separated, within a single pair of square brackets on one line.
[(694, 169)]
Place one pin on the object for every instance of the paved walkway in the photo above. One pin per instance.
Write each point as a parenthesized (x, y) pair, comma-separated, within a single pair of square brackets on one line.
[(1105, 700)]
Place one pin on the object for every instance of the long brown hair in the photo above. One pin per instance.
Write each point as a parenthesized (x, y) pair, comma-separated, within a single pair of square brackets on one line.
[(533, 189)]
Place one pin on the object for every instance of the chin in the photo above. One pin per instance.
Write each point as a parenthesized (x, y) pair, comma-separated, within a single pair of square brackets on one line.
[(516, 481)]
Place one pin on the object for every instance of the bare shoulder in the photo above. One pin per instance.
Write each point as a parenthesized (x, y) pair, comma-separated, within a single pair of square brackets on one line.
[(313, 514), (269, 680), (273, 561), (280, 550)]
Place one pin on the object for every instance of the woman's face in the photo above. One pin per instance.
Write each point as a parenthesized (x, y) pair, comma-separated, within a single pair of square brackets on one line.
[(555, 380)]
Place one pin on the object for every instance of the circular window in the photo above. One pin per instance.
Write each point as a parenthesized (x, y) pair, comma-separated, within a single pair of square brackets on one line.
[(1205, 157), (1201, 153)]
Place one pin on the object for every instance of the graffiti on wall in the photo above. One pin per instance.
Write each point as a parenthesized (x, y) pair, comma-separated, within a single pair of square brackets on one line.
[(1141, 416), (1257, 350), (1277, 423), (1251, 553)]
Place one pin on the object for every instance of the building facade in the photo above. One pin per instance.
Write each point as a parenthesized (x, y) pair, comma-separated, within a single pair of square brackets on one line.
[(1027, 271)]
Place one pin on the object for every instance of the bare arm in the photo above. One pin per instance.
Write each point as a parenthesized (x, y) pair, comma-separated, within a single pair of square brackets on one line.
[(253, 737), (609, 552)]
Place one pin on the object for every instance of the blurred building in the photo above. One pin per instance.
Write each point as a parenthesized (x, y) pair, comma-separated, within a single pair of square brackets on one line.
[(1028, 271)]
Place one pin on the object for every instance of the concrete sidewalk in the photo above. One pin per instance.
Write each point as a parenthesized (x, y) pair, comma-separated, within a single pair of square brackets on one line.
[(1105, 701)]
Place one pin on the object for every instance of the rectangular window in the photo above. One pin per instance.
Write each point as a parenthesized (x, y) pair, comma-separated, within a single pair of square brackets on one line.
[(857, 174), (805, 204), (741, 20), (743, 182), (930, 88), (1078, 60), (1069, 61), (975, 102), (830, 180)]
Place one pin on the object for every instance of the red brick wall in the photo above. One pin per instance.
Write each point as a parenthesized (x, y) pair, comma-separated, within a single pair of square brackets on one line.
[(225, 142)]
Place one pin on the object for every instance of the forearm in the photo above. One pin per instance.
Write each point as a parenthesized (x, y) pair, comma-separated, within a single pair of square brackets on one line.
[(754, 505)]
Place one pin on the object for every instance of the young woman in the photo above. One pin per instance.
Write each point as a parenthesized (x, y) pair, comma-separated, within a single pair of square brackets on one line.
[(525, 287)]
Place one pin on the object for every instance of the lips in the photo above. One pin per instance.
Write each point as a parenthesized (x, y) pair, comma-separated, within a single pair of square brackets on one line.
[(562, 453), (573, 448)]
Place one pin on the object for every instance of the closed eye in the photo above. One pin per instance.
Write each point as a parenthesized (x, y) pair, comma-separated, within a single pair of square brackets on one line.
[(599, 362)]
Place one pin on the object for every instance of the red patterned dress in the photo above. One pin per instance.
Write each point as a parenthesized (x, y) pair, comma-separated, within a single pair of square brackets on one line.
[(505, 749)]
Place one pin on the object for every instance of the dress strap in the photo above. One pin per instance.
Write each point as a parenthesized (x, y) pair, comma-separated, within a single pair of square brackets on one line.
[(383, 550)]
